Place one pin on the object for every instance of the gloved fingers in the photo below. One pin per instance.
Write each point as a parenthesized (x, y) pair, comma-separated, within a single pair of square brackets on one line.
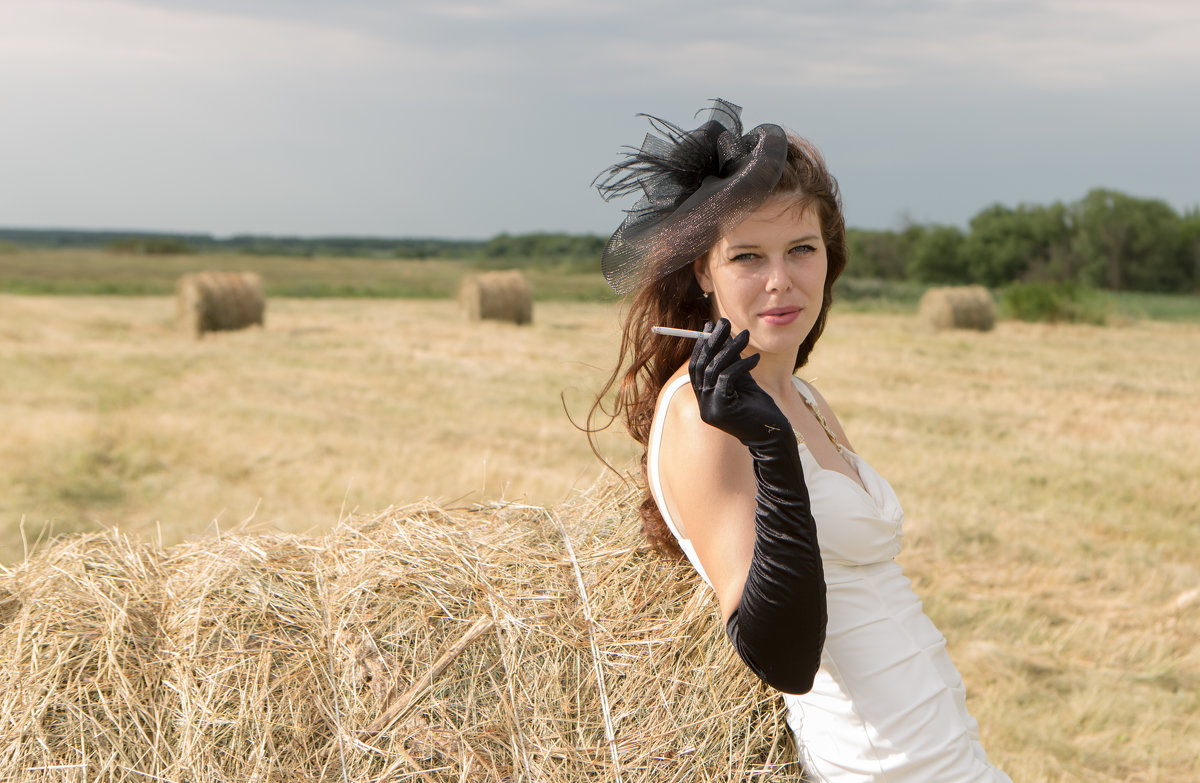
[(734, 377), (730, 352), (702, 353)]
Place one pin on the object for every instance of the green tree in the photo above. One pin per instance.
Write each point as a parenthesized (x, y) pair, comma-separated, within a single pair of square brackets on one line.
[(1189, 234), (1127, 243), (1028, 242), (874, 254), (935, 256)]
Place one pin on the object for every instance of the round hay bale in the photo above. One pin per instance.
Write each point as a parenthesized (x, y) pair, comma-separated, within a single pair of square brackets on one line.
[(959, 307), (498, 296), (518, 643), (219, 301)]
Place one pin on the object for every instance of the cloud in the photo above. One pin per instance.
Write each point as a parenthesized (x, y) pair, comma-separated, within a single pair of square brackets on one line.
[(437, 117), (855, 44)]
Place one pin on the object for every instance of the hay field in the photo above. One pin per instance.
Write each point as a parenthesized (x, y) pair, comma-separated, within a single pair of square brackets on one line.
[(113, 416), (1049, 474)]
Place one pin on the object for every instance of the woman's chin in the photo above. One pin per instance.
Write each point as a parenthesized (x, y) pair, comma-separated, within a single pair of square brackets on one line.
[(781, 341), (774, 346)]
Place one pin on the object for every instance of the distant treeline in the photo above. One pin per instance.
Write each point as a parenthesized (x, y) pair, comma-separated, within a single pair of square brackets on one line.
[(543, 250), (1105, 240), (152, 243)]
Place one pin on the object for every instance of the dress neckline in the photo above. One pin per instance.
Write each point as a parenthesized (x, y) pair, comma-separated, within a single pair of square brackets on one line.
[(849, 457)]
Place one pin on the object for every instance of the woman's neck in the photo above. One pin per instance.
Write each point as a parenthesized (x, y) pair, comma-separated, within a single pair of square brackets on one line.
[(774, 373)]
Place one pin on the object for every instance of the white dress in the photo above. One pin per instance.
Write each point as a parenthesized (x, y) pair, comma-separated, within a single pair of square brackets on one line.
[(887, 703)]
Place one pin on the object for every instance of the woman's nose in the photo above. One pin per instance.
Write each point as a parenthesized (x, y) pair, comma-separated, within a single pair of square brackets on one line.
[(777, 276)]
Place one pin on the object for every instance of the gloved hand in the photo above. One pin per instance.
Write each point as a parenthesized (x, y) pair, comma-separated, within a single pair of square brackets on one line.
[(728, 396), (778, 627)]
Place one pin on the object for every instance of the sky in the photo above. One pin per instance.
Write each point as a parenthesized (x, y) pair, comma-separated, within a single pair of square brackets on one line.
[(440, 118)]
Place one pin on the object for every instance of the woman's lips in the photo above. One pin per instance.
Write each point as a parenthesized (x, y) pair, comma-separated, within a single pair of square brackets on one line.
[(780, 316)]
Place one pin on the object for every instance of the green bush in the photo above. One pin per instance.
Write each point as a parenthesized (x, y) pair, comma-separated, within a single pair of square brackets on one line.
[(864, 293), (149, 246), (1053, 302)]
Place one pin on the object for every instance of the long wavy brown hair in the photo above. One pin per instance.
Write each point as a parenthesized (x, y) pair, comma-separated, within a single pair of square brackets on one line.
[(647, 360)]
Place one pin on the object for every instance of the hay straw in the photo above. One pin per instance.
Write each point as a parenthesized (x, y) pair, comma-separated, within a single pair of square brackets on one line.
[(609, 733), (959, 307), (497, 296), (420, 644), (219, 301), (477, 629)]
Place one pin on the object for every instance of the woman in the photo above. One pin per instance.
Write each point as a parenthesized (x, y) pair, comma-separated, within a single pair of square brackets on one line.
[(750, 473)]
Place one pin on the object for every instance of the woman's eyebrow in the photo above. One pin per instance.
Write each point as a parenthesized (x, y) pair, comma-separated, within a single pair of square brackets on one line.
[(751, 245)]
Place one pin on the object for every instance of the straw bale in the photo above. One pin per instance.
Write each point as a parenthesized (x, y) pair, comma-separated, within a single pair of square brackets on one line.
[(959, 307), (498, 296), (508, 643), (219, 301)]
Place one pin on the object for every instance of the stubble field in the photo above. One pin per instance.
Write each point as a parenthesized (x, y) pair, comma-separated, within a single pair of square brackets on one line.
[(1049, 474), (116, 417)]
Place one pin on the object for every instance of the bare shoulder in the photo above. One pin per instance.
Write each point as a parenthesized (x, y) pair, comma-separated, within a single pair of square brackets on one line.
[(830, 417), (686, 439)]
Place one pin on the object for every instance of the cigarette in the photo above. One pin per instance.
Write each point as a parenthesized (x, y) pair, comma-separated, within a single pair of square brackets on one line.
[(672, 332)]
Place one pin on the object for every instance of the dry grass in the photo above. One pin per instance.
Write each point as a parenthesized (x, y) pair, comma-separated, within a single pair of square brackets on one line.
[(112, 416), (420, 644), (1048, 472)]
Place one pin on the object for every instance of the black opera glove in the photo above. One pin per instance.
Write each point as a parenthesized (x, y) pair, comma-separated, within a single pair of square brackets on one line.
[(778, 627)]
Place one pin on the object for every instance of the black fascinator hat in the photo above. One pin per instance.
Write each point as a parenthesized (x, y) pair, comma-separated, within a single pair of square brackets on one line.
[(695, 187)]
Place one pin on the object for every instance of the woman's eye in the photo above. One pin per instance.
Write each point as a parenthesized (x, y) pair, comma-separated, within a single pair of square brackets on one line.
[(744, 257), (804, 249)]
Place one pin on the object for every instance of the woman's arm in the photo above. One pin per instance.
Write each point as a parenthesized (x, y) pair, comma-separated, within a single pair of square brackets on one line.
[(708, 476), (730, 466)]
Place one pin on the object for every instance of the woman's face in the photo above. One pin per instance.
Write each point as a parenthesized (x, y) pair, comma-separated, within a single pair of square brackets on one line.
[(768, 276)]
